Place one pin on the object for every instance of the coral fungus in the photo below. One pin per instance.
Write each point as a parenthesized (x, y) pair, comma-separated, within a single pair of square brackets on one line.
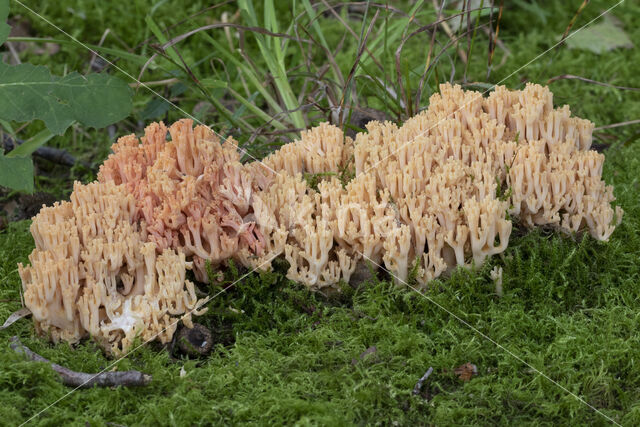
[(192, 192), (94, 272), (435, 193), (431, 191)]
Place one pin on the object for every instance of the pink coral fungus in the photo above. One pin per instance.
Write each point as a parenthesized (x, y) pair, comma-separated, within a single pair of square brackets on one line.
[(192, 192)]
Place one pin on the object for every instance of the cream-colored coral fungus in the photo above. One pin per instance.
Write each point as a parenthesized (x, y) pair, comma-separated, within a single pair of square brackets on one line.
[(435, 193), (439, 189), (94, 272)]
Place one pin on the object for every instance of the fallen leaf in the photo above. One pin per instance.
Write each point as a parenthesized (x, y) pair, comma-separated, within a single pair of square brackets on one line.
[(602, 37), (466, 371), (10, 207), (370, 350), (460, 18), (15, 316)]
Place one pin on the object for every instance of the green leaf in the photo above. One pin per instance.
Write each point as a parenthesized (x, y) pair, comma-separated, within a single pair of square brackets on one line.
[(535, 9), (600, 38), (158, 107), (4, 15), (6, 126), (16, 173), (155, 108), (31, 144), (209, 82), (31, 92)]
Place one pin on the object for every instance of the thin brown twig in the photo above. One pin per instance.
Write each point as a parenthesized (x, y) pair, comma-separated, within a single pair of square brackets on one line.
[(435, 60), (350, 30), (492, 45), (164, 82), (188, 18), (177, 39), (428, 61), (447, 29), (328, 53), (617, 125), (595, 82), (55, 155), (500, 44), (433, 37), (467, 4), (361, 50), (93, 54), (573, 20)]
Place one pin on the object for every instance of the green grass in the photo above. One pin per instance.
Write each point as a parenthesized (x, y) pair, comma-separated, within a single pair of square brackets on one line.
[(570, 309)]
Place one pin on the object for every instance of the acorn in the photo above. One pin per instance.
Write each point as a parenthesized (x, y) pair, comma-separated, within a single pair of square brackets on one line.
[(196, 341)]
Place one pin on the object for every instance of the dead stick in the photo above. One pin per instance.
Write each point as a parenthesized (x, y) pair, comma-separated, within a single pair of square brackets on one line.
[(418, 387), (616, 125), (82, 379), (54, 155)]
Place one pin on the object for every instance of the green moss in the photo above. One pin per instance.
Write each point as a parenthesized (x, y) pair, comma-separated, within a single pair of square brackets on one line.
[(285, 356)]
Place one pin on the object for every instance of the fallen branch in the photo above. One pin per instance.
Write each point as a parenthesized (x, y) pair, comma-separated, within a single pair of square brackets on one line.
[(51, 154), (82, 379)]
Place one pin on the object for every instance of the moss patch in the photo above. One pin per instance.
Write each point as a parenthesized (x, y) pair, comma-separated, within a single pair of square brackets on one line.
[(570, 309)]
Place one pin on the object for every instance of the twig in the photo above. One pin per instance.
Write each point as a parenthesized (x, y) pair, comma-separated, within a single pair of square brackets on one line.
[(595, 82), (617, 125), (54, 155), (82, 379), (494, 42), (14, 52), (58, 156), (93, 54), (447, 29), (573, 20), (418, 387), (501, 45)]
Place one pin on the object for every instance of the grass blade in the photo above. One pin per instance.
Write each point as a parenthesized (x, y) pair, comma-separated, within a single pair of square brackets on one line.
[(32, 144)]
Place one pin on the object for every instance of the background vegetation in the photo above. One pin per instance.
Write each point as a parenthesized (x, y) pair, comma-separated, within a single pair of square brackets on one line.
[(262, 71)]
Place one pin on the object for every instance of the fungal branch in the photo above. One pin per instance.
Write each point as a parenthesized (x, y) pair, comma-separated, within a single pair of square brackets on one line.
[(111, 263)]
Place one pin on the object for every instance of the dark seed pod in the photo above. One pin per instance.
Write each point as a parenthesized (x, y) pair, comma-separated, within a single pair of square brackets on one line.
[(196, 341)]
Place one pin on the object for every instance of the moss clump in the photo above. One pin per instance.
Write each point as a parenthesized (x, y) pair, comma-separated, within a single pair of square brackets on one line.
[(570, 306)]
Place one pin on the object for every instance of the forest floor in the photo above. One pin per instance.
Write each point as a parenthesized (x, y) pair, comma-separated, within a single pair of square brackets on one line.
[(560, 346)]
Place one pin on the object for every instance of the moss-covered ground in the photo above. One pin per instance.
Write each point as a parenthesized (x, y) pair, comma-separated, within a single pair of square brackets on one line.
[(570, 307)]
